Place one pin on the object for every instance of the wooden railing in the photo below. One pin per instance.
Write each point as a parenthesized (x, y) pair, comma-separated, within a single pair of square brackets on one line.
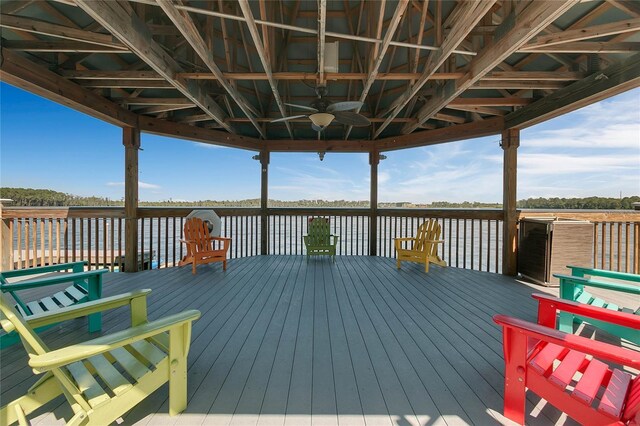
[(473, 238)]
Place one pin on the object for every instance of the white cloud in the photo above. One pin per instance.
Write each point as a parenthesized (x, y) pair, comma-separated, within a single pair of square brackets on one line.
[(141, 185)]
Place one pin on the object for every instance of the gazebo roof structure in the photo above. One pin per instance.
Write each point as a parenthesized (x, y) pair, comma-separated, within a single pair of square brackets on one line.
[(220, 71)]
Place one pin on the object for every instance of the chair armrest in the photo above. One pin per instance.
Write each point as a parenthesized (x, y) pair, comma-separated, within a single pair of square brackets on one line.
[(221, 238), (404, 239), (43, 282), (549, 305), (76, 266), (83, 309), (598, 349), (78, 352), (625, 288), (580, 271), (435, 241)]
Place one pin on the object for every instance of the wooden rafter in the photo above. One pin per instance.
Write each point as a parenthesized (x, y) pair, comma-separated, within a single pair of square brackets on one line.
[(322, 27), (511, 36), (35, 26), (253, 30), (467, 15), (376, 61), (190, 32), (21, 72), (130, 30), (619, 27), (615, 79)]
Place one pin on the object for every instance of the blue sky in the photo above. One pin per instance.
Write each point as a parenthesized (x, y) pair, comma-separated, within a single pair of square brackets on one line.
[(594, 151)]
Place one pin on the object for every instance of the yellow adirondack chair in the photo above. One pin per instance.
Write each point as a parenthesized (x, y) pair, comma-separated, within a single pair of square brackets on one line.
[(151, 353), (423, 248)]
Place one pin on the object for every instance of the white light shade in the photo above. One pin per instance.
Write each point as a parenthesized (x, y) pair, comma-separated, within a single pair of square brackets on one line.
[(321, 119)]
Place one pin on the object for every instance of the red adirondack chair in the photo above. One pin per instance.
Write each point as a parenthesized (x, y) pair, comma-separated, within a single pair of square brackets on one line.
[(568, 370), (201, 247)]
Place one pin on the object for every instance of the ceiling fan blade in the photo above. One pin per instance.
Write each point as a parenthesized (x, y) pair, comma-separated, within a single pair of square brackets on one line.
[(317, 128), (344, 106), (287, 118), (351, 119), (307, 108)]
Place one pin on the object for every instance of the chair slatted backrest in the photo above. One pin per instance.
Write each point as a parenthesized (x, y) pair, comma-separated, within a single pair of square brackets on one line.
[(196, 230), (11, 320), (319, 232), (428, 231)]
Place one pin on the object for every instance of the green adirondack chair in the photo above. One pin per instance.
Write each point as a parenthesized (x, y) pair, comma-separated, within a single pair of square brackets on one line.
[(90, 374), (86, 286), (573, 287), (319, 239)]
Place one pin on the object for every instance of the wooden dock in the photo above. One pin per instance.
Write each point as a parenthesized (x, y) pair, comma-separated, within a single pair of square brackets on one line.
[(290, 342)]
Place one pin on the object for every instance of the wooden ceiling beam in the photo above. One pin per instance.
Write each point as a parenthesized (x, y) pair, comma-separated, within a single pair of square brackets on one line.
[(127, 27), (322, 29), (464, 17), (476, 129), (489, 102), (586, 47), (60, 46), (619, 27), (20, 72), (264, 58), (198, 134), (479, 109), (35, 26), (320, 145), (190, 32), (513, 33), (615, 79), (376, 61)]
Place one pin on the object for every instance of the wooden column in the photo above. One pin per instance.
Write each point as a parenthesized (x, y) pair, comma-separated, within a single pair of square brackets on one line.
[(131, 142), (6, 250), (374, 160), (510, 144), (264, 199)]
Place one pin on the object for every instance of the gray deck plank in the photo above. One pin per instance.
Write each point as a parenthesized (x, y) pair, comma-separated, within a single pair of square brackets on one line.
[(286, 341)]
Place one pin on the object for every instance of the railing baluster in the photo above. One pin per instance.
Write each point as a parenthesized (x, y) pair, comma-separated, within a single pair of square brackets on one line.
[(166, 243), (20, 226), (611, 245), (619, 254), (626, 246)]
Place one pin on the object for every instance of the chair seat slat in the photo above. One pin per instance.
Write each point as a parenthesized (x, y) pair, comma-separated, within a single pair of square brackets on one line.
[(49, 304), (590, 382), (87, 384), (134, 367), (112, 377), (35, 308), (63, 299), (543, 361), (613, 398), (563, 375), (149, 351), (76, 293)]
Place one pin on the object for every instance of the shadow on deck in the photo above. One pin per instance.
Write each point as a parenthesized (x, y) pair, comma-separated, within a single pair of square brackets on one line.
[(286, 341)]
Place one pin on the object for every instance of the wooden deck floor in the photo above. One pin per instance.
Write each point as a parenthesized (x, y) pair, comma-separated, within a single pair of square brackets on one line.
[(355, 342)]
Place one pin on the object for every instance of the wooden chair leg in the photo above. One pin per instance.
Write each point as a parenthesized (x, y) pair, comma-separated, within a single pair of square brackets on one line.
[(398, 263), (224, 265), (178, 337), (515, 354), (426, 265), (193, 267)]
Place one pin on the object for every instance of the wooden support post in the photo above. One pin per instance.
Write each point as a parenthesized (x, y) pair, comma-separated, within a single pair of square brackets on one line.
[(510, 143), (264, 199), (131, 142), (6, 250), (374, 160)]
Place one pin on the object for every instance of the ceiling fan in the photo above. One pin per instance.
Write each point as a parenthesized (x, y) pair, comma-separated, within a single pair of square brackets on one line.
[(323, 112)]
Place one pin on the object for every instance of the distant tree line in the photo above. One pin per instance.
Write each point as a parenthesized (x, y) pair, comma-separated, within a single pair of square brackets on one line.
[(48, 198), (599, 203)]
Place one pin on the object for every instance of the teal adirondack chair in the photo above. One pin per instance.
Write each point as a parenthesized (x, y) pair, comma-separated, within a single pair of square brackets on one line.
[(319, 239), (573, 287), (86, 286), (103, 378)]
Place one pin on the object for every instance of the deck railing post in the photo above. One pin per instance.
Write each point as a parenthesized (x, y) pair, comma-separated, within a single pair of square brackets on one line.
[(6, 250), (131, 142), (264, 200), (374, 160), (510, 143)]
